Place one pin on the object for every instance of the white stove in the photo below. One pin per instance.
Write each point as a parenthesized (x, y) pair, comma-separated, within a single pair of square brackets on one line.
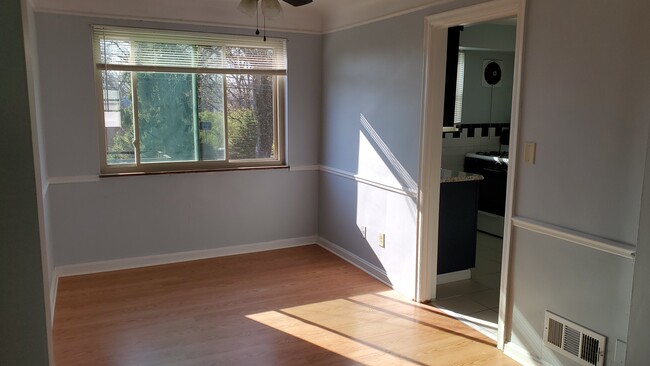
[(493, 166), (495, 156)]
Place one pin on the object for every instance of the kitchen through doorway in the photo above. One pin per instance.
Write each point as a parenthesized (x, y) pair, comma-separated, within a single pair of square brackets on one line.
[(433, 179), (475, 149)]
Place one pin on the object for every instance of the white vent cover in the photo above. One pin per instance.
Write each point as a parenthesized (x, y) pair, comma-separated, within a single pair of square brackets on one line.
[(575, 342)]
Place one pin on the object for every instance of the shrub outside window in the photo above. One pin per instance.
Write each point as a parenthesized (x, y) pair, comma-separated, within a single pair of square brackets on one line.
[(178, 101)]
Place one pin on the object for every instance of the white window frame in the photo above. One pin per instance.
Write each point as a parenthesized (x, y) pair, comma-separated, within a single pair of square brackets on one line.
[(279, 90)]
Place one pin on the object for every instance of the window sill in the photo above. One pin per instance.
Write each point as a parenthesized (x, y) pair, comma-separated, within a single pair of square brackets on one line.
[(130, 174)]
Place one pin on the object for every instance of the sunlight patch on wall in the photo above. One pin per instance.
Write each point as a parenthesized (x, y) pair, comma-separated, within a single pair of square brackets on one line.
[(377, 162), (386, 208)]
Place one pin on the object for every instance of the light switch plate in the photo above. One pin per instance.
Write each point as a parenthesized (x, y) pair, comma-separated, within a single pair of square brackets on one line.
[(382, 240), (529, 152)]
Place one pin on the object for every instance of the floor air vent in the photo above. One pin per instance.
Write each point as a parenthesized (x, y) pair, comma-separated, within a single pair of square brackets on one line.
[(575, 342)]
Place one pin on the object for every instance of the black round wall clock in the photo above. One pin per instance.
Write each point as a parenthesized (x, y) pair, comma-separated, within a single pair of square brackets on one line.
[(492, 73)]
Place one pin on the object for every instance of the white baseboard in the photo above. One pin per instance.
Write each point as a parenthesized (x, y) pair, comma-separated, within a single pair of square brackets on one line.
[(465, 274), (521, 355), (355, 260), (154, 260)]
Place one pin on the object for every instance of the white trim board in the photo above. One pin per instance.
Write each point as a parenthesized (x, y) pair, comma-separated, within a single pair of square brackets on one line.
[(303, 168), (358, 19), (358, 179), (356, 261), (576, 237), (465, 274), (73, 179), (211, 15), (154, 260), (520, 355), (317, 18)]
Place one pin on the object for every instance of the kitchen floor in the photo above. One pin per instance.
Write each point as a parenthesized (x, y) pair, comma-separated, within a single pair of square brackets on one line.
[(477, 299)]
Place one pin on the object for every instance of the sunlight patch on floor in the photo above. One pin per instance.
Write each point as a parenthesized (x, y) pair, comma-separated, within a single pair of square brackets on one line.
[(376, 329)]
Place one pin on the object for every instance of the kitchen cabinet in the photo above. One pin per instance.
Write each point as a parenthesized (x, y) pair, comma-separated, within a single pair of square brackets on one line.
[(457, 221)]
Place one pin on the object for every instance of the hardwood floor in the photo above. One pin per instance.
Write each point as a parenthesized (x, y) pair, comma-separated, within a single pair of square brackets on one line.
[(299, 306)]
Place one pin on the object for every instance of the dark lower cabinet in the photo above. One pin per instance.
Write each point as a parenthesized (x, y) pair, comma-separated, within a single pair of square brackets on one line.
[(457, 226)]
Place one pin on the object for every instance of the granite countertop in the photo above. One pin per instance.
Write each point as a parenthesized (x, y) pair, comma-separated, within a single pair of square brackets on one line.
[(452, 176)]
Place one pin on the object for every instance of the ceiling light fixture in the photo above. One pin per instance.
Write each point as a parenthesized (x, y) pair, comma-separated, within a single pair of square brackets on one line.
[(270, 9)]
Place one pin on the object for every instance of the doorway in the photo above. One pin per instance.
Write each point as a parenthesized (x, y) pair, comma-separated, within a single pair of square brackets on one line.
[(475, 150), (429, 229)]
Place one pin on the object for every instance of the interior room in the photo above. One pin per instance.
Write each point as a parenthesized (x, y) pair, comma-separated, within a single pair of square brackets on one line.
[(298, 210), (477, 143)]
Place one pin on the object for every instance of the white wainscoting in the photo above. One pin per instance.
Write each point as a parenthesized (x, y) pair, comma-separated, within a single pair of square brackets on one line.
[(359, 179), (572, 236)]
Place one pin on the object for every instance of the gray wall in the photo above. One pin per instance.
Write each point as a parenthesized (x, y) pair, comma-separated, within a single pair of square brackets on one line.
[(588, 287), (591, 131), (372, 104), (639, 337), (588, 116), (22, 304), (487, 41), (146, 215), (484, 104), (590, 127), (494, 37), (375, 71), (33, 80)]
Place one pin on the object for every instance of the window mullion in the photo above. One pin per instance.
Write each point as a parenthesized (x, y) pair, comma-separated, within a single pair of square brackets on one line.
[(276, 120), (136, 123), (225, 118), (195, 117)]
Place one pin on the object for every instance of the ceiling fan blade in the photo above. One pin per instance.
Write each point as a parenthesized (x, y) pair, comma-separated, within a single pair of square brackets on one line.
[(298, 2), (271, 8), (248, 7)]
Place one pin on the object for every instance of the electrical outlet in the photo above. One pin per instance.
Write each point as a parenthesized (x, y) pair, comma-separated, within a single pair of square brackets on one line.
[(382, 240)]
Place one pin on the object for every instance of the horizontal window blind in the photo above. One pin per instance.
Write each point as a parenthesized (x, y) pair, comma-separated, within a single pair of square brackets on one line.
[(460, 82), (137, 49)]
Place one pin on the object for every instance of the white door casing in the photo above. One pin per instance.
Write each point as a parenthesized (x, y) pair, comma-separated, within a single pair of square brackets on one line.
[(435, 46)]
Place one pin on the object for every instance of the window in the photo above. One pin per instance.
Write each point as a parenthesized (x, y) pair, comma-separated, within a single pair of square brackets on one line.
[(175, 101), (460, 82)]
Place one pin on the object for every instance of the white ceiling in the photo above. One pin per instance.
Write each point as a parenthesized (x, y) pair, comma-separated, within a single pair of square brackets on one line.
[(321, 16)]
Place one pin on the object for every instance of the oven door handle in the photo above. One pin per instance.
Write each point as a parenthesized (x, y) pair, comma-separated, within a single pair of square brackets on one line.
[(496, 170)]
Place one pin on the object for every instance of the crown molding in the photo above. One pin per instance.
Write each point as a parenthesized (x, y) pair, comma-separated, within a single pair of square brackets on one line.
[(221, 13), (351, 14), (319, 17)]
